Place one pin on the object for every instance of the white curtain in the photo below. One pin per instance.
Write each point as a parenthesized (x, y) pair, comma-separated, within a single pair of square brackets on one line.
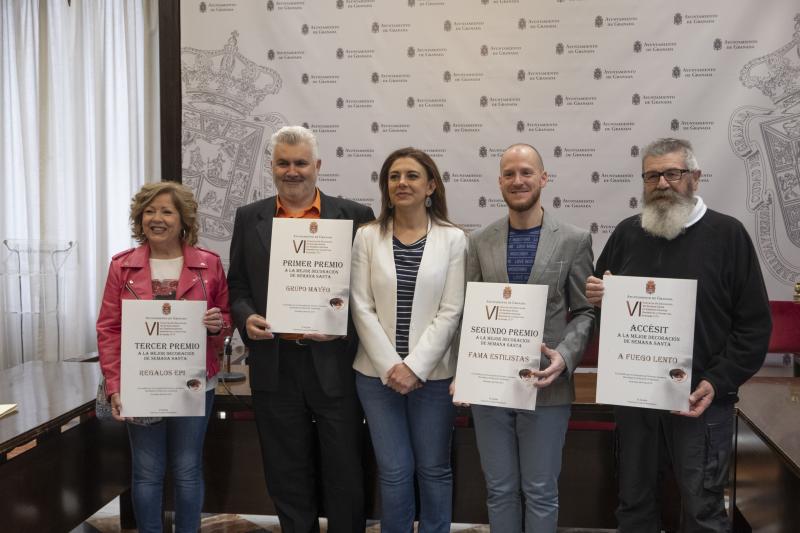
[(80, 123)]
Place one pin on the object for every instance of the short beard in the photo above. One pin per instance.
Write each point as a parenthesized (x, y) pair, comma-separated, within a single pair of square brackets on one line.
[(521, 207), (665, 213)]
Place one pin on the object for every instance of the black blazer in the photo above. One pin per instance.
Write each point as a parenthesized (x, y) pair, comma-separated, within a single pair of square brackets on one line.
[(247, 282)]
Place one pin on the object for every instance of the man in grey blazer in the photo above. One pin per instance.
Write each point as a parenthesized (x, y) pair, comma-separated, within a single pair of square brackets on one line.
[(521, 450)]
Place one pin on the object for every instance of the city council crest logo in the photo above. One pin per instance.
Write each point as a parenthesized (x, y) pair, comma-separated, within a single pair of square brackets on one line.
[(484, 50), (637, 46), (634, 151), (374, 176), (677, 19), (520, 126), (559, 100), (447, 25), (446, 176), (339, 4), (339, 53), (650, 286), (482, 151), (410, 101), (304, 78), (270, 5), (598, 74), (767, 140), (596, 125), (633, 203), (557, 151), (222, 132), (339, 151), (717, 44), (374, 127), (411, 52), (202, 7), (636, 99), (484, 101), (522, 24), (676, 72), (506, 292), (446, 127), (674, 124), (376, 27), (598, 21), (375, 77), (166, 309), (482, 201), (593, 227), (595, 176), (304, 29), (313, 227), (520, 75), (557, 202), (559, 48), (339, 103), (270, 54), (447, 76)]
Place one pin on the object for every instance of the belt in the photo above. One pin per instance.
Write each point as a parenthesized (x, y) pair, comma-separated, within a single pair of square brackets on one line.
[(294, 344)]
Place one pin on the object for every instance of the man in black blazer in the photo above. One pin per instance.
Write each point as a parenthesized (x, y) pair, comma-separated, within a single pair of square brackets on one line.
[(303, 387)]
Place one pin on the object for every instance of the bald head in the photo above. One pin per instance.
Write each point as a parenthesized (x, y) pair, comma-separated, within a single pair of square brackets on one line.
[(524, 151)]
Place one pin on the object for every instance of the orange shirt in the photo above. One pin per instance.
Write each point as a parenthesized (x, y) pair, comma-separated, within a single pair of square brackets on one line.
[(312, 211)]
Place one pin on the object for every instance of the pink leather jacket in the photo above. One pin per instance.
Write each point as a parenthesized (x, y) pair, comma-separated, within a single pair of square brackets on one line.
[(129, 278)]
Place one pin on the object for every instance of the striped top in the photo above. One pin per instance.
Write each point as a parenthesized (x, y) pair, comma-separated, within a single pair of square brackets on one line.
[(406, 263), (521, 252)]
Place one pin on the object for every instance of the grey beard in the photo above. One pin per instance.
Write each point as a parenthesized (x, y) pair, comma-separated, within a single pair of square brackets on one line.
[(667, 221)]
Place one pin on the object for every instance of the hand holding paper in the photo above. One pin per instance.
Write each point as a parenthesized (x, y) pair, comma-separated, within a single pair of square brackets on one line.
[(547, 376), (258, 328), (699, 400), (595, 289)]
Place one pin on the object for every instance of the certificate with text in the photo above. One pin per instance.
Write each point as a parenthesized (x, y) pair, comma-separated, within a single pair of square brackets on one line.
[(646, 341), (163, 352), (501, 344), (309, 275)]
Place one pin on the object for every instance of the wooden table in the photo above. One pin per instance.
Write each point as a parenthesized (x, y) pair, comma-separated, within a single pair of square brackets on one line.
[(235, 482), (767, 463), (72, 464)]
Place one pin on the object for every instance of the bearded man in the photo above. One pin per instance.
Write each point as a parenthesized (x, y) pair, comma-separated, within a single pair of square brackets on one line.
[(677, 236), (521, 450)]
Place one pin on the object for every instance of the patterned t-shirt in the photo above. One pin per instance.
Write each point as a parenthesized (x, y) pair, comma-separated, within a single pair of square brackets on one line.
[(521, 251), (165, 274)]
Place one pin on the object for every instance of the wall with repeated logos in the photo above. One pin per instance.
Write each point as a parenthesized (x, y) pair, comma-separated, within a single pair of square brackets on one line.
[(589, 83)]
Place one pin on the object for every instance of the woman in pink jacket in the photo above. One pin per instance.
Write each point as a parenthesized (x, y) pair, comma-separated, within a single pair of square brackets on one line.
[(167, 265)]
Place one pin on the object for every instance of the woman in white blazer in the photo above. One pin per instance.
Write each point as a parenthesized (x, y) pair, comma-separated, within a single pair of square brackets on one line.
[(407, 295)]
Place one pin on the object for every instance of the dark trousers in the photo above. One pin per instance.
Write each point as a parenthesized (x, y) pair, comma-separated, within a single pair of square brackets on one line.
[(308, 440), (699, 450)]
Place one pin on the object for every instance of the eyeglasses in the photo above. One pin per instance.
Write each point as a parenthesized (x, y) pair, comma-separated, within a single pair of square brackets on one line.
[(671, 174)]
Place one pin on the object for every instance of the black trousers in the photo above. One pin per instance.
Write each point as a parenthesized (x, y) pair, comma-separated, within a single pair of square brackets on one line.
[(699, 450), (310, 441)]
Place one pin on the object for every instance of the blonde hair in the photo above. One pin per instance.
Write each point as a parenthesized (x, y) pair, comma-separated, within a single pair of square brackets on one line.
[(184, 202)]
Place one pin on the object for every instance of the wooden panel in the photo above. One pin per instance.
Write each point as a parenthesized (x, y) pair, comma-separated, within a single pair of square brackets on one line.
[(64, 479)]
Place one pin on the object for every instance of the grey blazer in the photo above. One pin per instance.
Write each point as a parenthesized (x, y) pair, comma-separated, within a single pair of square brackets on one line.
[(563, 262)]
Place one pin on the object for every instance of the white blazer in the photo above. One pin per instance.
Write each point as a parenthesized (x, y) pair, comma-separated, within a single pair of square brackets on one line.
[(435, 312)]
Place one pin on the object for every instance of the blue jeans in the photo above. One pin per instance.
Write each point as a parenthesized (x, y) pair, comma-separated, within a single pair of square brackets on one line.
[(411, 435), (521, 455), (181, 440)]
